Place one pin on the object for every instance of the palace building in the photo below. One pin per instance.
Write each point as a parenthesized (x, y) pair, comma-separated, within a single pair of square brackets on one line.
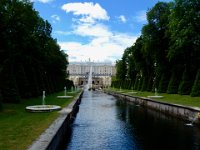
[(101, 73)]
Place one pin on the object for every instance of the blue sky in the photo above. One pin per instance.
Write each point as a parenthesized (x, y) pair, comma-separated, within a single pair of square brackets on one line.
[(96, 29)]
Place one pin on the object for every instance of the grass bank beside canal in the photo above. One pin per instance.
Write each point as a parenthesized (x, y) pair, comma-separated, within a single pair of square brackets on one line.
[(185, 100), (18, 128)]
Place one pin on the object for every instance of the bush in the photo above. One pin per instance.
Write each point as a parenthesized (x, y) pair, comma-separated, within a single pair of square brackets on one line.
[(139, 87), (173, 84), (149, 84), (8, 85), (0, 101), (164, 81), (132, 85), (185, 85), (196, 87), (144, 84), (69, 84), (116, 84), (136, 84)]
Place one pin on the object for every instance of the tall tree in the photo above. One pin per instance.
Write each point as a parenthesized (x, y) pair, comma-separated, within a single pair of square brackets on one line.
[(184, 41), (156, 41), (30, 59)]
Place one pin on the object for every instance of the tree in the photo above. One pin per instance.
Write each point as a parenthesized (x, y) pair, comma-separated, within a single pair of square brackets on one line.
[(30, 59), (184, 40), (156, 41), (186, 84), (196, 87), (0, 101)]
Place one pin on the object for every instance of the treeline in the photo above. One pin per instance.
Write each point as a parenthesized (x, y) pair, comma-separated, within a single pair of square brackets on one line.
[(30, 59), (167, 54)]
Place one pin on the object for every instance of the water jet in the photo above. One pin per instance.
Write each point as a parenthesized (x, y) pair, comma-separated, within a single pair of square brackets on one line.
[(65, 94), (43, 107)]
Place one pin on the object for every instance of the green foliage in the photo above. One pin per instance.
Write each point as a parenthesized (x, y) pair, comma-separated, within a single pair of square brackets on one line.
[(136, 84), (149, 84), (121, 66), (0, 101), (139, 86), (69, 84), (8, 85), (173, 84), (170, 39), (30, 59), (186, 84), (196, 87), (113, 78), (144, 84), (164, 81)]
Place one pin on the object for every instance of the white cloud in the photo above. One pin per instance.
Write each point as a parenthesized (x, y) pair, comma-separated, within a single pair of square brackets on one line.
[(99, 48), (88, 11), (42, 1), (68, 46), (62, 32), (122, 18), (104, 44), (55, 18), (97, 30), (141, 16)]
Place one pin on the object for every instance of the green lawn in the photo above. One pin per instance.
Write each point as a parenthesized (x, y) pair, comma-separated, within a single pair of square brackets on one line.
[(170, 98), (18, 128)]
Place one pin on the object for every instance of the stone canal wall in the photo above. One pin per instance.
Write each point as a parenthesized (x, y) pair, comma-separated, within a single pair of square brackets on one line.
[(191, 114), (57, 133)]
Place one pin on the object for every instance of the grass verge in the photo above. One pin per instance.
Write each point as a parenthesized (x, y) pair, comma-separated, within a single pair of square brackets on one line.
[(185, 100), (18, 128)]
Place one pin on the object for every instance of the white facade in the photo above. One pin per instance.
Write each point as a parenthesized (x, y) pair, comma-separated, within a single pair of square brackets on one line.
[(101, 73)]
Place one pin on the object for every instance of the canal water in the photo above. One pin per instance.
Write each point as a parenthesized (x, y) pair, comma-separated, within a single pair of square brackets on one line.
[(106, 123)]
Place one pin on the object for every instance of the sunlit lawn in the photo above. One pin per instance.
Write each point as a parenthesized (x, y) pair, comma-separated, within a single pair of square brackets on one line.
[(18, 128), (171, 98)]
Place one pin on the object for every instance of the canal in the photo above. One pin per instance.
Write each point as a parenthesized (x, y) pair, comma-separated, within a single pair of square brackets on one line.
[(106, 123)]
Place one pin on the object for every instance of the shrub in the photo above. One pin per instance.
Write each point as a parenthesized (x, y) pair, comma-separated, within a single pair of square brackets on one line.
[(185, 85), (173, 84), (136, 84), (69, 84), (9, 88), (164, 81), (196, 87), (144, 84), (0, 101), (139, 87)]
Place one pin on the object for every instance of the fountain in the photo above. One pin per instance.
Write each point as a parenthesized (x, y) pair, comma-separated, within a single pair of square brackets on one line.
[(156, 92), (43, 107), (73, 89), (193, 119), (65, 94), (89, 84), (156, 95), (120, 90), (132, 92)]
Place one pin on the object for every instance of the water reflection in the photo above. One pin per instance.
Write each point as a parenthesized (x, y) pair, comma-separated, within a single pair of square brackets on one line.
[(105, 123)]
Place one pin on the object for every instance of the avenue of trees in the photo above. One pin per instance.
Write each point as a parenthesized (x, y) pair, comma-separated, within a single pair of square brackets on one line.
[(30, 59), (167, 54)]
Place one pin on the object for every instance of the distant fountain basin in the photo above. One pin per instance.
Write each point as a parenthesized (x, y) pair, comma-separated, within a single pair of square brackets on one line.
[(42, 108), (156, 95), (132, 92), (65, 96)]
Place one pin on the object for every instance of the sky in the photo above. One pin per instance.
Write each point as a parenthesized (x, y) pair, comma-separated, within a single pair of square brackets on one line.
[(99, 30)]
